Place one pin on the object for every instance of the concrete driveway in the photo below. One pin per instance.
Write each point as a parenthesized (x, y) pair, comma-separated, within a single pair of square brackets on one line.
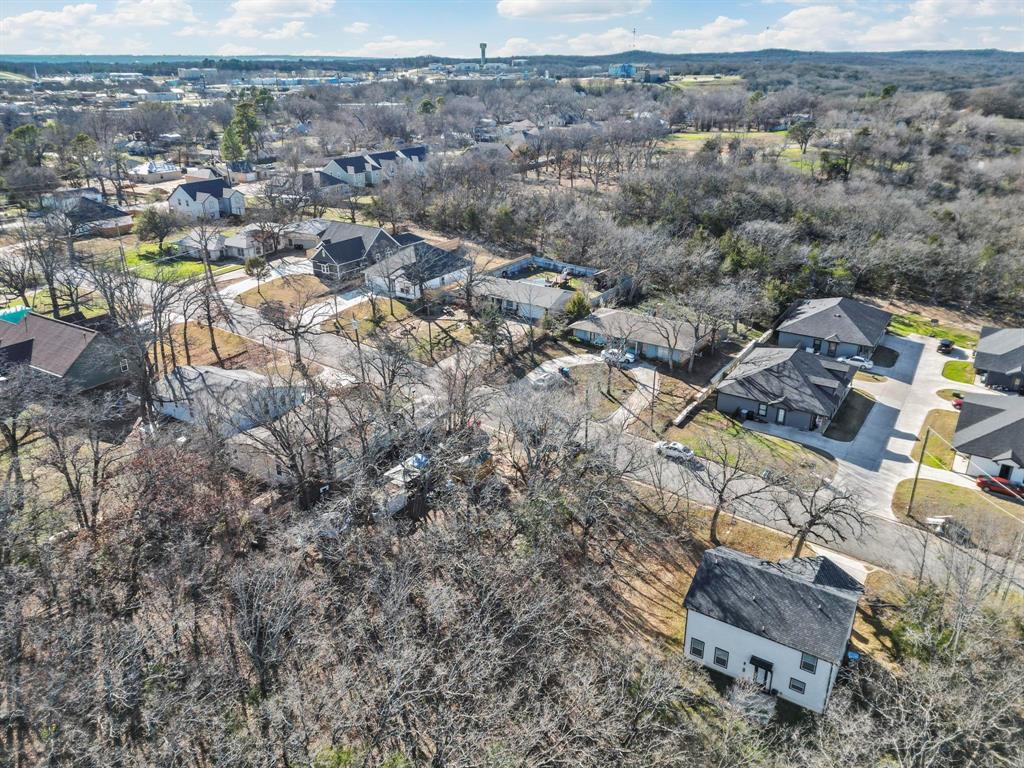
[(879, 457)]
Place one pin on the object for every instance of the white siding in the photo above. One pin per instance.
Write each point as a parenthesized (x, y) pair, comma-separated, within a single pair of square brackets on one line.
[(982, 466), (741, 645)]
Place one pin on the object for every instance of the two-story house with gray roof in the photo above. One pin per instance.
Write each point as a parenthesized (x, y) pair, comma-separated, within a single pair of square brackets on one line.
[(784, 625), (835, 327)]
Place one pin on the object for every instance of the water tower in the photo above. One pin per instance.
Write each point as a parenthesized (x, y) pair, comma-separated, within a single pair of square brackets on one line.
[(483, 55)]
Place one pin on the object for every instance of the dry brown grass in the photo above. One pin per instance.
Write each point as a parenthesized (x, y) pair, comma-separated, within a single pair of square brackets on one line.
[(235, 352), (293, 291)]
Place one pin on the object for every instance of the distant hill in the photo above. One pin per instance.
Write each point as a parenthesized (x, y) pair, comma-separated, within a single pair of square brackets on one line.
[(767, 69)]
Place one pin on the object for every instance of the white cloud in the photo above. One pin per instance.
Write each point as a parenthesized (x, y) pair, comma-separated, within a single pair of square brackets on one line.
[(231, 49), (570, 10), (357, 27), (519, 46), (82, 29), (390, 45)]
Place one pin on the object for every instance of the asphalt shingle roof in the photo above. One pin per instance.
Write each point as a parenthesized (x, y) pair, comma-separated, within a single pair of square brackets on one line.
[(991, 426), (793, 378), (1000, 350), (805, 603), (342, 252), (837, 319), (50, 345), (418, 262), (212, 187), (633, 326)]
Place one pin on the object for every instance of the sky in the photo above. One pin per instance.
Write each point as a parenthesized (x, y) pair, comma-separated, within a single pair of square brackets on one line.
[(387, 28)]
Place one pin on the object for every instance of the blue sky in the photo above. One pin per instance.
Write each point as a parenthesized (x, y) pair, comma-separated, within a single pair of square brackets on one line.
[(510, 27)]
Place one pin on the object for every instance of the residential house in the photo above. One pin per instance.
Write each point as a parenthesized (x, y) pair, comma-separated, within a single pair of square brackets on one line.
[(83, 357), (999, 358), (154, 172), (652, 337), (87, 217), (527, 301), (369, 169), (192, 244), (415, 268), (784, 625), (346, 249), (207, 199), (241, 171), (228, 402), (836, 327), (792, 387), (64, 199), (990, 435), (202, 173)]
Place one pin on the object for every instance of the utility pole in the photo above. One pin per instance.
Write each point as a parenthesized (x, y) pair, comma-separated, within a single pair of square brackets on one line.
[(917, 472), (359, 348)]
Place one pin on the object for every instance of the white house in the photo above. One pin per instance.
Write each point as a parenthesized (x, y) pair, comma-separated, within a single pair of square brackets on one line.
[(66, 199), (784, 625), (154, 172), (990, 436), (525, 300), (356, 170), (414, 268), (651, 337), (228, 402), (206, 199)]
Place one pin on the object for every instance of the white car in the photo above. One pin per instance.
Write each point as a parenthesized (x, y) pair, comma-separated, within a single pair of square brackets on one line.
[(673, 450), (618, 357), (857, 361)]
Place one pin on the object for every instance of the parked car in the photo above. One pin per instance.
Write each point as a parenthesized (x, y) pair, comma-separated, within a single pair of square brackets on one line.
[(1000, 486), (946, 346), (958, 400), (673, 450), (618, 357), (857, 361)]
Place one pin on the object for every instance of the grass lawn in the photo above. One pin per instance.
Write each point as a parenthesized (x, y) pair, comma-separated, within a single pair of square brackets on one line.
[(940, 454), (994, 522), (877, 378), (147, 263), (885, 357), (949, 394), (434, 340), (235, 351), (294, 291), (590, 382), (805, 162), (704, 81), (674, 394), (959, 370), (89, 304), (691, 141), (902, 325), (388, 314), (545, 348), (763, 451), (851, 415)]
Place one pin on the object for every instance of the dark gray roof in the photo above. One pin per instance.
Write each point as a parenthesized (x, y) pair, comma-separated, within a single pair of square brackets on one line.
[(86, 210), (418, 262), (793, 378), (991, 426), (419, 151), (343, 253), (407, 238), (807, 603), (1000, 350), (837, 319), (357, 163), (335, 231), (213, 187)]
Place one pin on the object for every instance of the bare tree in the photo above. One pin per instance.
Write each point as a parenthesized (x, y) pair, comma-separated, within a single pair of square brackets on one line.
[(812, 507), (732, 480)]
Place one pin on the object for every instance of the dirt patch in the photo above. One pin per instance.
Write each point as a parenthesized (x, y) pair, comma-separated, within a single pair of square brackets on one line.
[(196, 348)]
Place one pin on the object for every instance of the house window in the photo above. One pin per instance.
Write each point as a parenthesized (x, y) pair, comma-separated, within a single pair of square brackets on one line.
[(762, 409), (124, 365), (817, 346), (696, 647), (833, 347), (808, 663), (721, 658), (797, 685)]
